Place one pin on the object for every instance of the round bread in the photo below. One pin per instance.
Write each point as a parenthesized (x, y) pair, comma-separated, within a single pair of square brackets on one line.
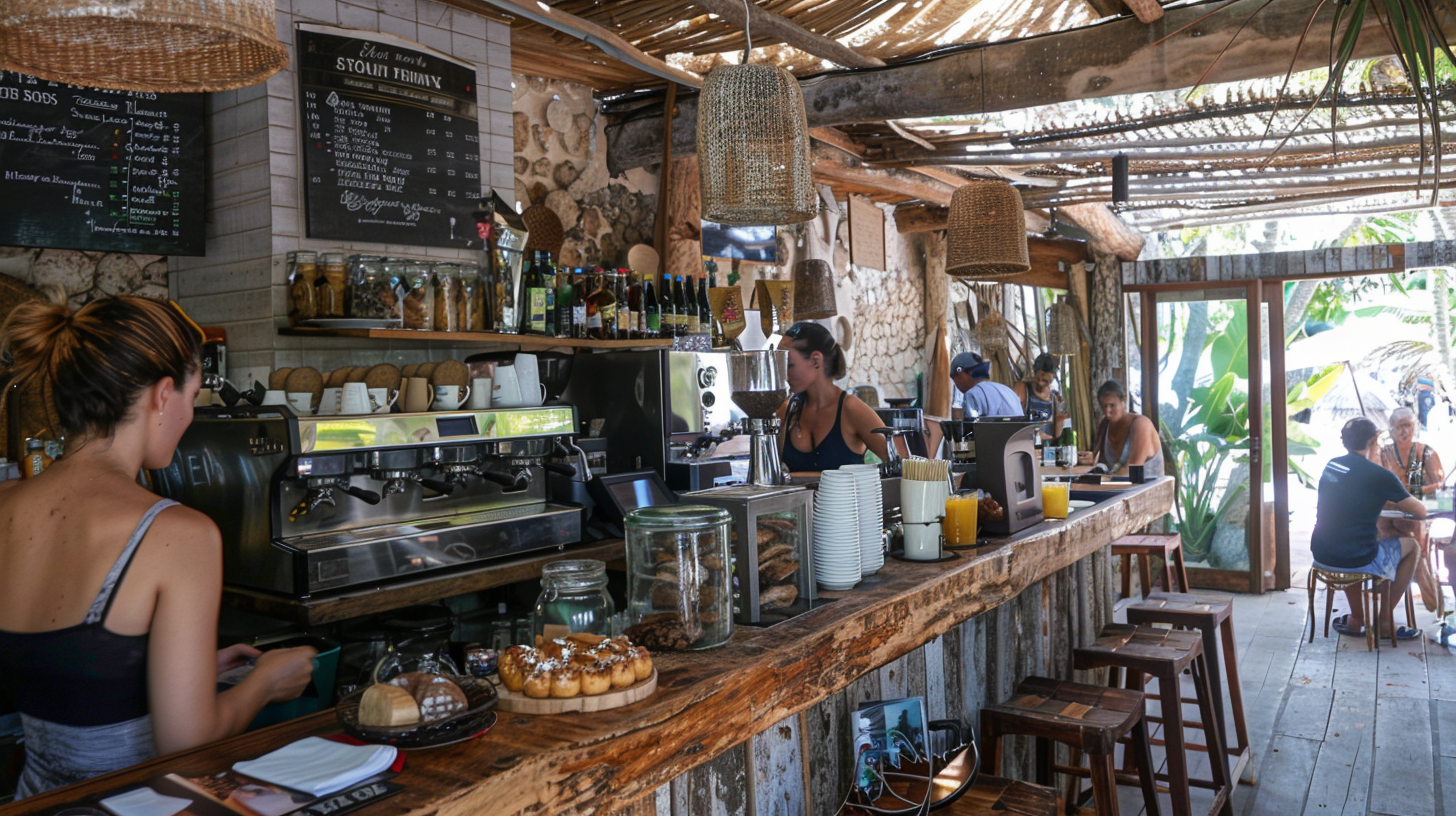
[(306, 378), (336, 378), (595, 679), (622, 674), (278, 378), (438, 697), (538, 683), (357, 373), (450, 372), (409, 370), (565, 681), (384, 375), (425, 370), (385, 705)]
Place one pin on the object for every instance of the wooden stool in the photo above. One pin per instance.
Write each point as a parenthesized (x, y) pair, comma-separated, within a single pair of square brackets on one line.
[(1374, 595), (995, 796), (1091, 719), (1164, 654), (1167, 547), (1211, 613)]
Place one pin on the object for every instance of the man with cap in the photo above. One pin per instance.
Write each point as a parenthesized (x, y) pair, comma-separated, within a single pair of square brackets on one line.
[(976, 395)]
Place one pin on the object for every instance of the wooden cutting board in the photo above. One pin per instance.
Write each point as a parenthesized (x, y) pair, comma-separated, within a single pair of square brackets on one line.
[(517, 702)]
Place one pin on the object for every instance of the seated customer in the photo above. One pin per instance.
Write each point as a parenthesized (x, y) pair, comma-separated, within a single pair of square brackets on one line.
[(1352, 491), (1414, 463), (1123, 438)]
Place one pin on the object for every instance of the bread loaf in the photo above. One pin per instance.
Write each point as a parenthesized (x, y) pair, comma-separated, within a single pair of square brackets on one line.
[(437, 697), (386, 705)]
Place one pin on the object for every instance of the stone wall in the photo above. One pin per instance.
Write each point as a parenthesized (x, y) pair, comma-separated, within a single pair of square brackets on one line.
[(85, 276)]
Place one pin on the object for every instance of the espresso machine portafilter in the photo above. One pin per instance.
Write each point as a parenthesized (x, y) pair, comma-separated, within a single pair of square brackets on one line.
[(760, 385)]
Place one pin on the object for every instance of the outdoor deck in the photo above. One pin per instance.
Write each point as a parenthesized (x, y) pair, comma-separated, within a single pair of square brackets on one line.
[(1336, 730)]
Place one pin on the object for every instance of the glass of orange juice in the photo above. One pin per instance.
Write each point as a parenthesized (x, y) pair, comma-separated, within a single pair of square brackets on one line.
[(1054, 499), (959, 524)]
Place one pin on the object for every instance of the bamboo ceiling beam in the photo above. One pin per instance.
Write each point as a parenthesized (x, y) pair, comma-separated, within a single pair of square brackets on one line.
[(769, 26), (898, 182)]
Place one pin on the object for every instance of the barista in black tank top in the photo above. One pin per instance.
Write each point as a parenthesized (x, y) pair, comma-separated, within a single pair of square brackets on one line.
[(814, 439)]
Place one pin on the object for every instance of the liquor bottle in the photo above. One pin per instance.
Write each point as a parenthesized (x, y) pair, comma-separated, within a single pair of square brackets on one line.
[(578, 304), (626, 315), (681, 321), (548, 282), (669, 308), (651, 312), (533, 295), (638, 328), (690, 298), (601, 310), (705, 309), (565, 299)]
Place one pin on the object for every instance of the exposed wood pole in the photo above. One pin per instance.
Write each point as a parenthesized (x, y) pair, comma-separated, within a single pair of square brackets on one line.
[(1146, 10), (770, 27), (1109, 233), (897, 182), (664, 176)]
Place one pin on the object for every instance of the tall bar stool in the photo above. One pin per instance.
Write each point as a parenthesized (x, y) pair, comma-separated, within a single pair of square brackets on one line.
[(1164, 654), (1090, 719), (1211, 613), (1144, 547), (996, 796)]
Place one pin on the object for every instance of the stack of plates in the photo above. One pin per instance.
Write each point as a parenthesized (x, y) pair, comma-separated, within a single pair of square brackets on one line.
[(871, 517), (836, 531)]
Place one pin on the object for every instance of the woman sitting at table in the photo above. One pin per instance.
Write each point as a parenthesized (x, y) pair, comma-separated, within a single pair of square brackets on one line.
[(1352, 491), (1122, 438), (1413, 463), (109, 596), (824, 427)]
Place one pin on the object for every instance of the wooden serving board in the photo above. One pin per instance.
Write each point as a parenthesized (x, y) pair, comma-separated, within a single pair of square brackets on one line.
[(518, 703)]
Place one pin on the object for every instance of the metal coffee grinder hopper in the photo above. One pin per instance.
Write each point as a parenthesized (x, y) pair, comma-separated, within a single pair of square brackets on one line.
[(760, 385)]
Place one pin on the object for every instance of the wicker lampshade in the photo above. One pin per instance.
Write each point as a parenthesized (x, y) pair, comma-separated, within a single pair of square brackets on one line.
[(991, 332), (170, 46), (1064, 331), (753, 148), (814, 290), (986, 235)]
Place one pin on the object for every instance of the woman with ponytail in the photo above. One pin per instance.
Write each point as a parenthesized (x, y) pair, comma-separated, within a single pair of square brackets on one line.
[(109, 596), (824, 427)]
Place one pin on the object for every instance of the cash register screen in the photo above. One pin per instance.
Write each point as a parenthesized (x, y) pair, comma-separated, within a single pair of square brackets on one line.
[(630, 491)]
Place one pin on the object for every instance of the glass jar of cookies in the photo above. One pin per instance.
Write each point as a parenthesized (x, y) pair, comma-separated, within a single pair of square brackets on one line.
[(471, 297), (302, 271), (330, 284), (679, 576), (447, 292), (419, 296), (370, 294), (574, 599)]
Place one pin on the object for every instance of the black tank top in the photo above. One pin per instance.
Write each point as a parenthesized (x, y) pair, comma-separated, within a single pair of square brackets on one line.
[(830, 454), (83, 675)]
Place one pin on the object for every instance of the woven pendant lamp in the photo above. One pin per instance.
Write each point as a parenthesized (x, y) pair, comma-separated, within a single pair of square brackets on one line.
[(992, 335), (753, 146), (986, 235), (814, 290), (165, 46), (1064, 332)]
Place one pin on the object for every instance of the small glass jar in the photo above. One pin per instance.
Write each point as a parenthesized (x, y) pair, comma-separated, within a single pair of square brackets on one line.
[(679, 576), (370, 294), (330, 284), (419, 641), (302, 271), (447, 289), (471, 299), (573, 599), (419, 296)]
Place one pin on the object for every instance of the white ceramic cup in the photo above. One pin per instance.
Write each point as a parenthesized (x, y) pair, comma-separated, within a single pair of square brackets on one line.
[(331, 401), (301, 401), (449, 397), (505, 388), (355, 399), (275, 398), (922, 502), (480, 392), (382, 400), (528, 374)]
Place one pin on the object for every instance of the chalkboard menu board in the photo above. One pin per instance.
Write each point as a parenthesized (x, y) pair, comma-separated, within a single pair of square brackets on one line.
[(391, 146), (82, 168)]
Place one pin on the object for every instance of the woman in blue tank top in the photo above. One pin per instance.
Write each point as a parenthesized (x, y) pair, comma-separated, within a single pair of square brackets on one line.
[(824, 427), (108, 596)]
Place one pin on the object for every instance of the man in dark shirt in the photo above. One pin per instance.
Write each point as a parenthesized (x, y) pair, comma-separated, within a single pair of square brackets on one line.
[(1352, 492)]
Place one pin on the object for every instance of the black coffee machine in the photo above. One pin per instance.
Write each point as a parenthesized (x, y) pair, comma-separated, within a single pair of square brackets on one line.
[(1008, 470)]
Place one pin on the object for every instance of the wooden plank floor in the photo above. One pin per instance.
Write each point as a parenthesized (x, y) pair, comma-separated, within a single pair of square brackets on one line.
[(1336, 730)]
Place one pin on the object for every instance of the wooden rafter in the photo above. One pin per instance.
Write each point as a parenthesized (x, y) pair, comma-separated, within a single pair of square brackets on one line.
[(770, 26)]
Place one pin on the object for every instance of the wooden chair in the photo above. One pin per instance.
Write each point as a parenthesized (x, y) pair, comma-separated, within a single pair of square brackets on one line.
[(1167, 547), (1374, 594), (995, 796)]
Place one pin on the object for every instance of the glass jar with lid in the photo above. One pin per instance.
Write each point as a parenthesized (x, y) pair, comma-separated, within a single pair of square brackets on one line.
[(419, 641), (680, 576), (419, 296), (370, 293), (329, 286), (573, 599), (447, 306), (471, 297), (302, 271)]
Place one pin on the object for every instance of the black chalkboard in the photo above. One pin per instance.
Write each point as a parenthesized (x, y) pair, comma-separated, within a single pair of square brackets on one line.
[(391, 146), (82, 168)]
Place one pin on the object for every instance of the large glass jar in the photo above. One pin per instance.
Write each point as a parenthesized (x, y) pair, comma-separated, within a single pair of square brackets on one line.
[(447, 292), (419, 641), (679, 576), (573, 599), (471, 298), (419, 296), (302, 271), (329, 286), (370, 293)]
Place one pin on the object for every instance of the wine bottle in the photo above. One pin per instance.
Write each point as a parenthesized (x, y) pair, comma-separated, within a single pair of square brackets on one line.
[(637, 329), (669, 308), (578, 304), (565, 298), (690, 297), (651, 311), (533, 296), (705, 310), (625, 315), (602, 311), (681, 321)]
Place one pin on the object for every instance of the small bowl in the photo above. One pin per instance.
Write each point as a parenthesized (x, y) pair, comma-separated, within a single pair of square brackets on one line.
[(478, 716)]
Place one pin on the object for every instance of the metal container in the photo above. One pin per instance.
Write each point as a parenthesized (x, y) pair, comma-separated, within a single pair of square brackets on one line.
[(772, 540), (759, 381)]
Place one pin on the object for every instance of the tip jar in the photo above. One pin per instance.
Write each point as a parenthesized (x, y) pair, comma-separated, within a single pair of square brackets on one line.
[(679, 576)]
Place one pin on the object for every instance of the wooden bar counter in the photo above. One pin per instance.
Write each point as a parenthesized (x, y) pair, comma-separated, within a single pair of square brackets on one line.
[(760, 725)]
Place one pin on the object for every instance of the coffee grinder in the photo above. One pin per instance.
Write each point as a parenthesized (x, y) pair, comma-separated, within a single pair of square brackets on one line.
[(1008, 470), (760, 385)]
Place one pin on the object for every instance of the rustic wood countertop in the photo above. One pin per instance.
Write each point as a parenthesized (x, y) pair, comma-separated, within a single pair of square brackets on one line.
[(707, 701)]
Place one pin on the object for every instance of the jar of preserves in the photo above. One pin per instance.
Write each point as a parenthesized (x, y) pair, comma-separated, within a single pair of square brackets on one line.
[(679, 576), (370, 292), (471, 298), (329, 286), (447, 306), (419, 296), (573, 599), (302, 271)]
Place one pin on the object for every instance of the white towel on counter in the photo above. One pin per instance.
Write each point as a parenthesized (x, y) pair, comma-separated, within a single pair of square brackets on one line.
[(319, 766), (144, 802)]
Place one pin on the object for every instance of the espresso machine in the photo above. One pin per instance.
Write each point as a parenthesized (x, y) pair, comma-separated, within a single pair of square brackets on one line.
[(309, 504), (1007, 468), (760, 385)]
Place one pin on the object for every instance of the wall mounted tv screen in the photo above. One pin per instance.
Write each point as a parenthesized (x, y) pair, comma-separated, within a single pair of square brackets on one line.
[(757, 244)]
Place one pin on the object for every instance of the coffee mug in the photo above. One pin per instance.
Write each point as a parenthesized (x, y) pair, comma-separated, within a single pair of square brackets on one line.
[(448, 397), (331, 401), (505, 388), (417, 395), (274, 398), (355, 399), (381, 399), (480, 390), (301, 401)]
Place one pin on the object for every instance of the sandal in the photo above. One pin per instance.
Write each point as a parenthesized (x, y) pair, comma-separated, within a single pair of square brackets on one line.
[(1343, 627), (1407, 633)]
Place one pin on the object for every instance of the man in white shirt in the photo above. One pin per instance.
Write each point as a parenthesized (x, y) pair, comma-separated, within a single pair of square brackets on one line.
[(976, 395)]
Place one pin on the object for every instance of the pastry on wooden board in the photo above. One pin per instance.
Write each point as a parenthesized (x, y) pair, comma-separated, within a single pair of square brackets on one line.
[(574, 665)]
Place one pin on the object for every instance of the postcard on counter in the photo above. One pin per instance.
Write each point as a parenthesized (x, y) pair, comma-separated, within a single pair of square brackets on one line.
[(227, 794)]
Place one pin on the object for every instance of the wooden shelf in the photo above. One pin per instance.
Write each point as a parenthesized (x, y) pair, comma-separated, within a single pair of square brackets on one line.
[(427, 588), (525, 341)]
